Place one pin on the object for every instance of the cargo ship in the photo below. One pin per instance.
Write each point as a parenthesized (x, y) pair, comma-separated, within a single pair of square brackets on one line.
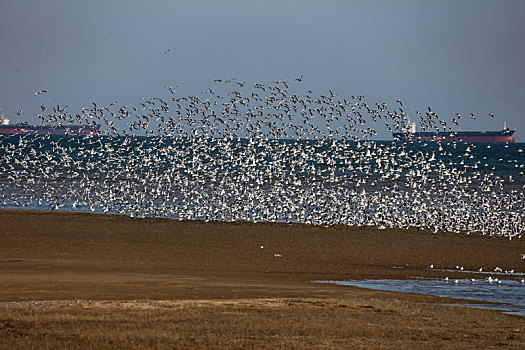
[(409, 133), (59, 129)]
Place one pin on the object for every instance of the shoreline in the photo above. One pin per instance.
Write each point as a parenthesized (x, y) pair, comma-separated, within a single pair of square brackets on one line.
[(114, 261)]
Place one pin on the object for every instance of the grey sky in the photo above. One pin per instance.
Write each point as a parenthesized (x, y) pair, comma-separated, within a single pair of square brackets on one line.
[(455, 56)]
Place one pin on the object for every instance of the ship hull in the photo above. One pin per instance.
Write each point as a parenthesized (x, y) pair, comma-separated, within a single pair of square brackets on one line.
[(504, 136), (24, 129)]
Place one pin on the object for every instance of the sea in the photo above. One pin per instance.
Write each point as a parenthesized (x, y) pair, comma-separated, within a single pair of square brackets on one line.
[(469, 187)]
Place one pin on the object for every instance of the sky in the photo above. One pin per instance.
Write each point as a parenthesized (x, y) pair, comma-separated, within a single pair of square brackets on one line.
[(454, 56)]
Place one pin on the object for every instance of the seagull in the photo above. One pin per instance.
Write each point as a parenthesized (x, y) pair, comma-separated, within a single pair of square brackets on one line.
[(274, 155)]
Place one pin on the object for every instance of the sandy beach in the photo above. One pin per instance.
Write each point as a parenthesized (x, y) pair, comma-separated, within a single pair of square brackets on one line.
[(78, 280)]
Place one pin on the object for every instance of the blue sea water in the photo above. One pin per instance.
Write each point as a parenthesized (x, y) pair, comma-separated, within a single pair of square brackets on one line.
[(470, 187), (510, 294)]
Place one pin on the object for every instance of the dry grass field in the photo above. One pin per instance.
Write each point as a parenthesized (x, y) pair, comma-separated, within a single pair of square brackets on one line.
[(290, 323), (88, 281)]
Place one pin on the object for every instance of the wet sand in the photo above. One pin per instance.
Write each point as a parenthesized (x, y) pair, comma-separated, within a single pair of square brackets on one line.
[(92, 280)]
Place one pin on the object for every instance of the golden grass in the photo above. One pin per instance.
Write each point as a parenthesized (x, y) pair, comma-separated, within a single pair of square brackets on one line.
[(288, 323)]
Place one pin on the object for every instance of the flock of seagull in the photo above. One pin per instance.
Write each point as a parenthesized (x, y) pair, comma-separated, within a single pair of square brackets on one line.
[(489, 279), (261, 153)]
